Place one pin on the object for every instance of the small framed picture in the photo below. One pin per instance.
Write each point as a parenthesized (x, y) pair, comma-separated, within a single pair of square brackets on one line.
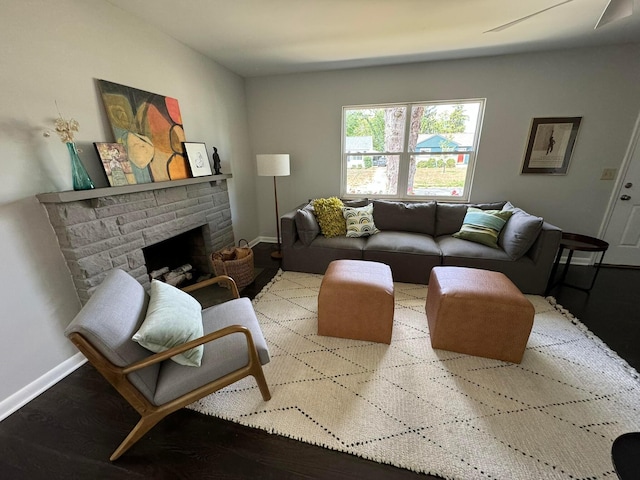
[(550, 145), (116, 163), (198, 160)]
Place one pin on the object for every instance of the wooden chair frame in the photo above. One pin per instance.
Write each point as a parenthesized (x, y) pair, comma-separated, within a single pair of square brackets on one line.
[(151, 414)]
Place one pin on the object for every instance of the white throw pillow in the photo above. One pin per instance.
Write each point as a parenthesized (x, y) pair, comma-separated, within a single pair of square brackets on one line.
[(359, 221), (173, 318)]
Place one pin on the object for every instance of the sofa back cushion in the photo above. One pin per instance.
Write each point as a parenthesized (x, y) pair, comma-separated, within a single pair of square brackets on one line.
[(405, 217), (449, 216)]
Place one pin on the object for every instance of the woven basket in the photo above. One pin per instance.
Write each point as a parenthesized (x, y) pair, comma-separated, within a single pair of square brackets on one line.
[(236, 262)]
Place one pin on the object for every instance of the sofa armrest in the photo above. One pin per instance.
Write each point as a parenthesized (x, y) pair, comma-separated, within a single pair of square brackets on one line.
[(544, 249)]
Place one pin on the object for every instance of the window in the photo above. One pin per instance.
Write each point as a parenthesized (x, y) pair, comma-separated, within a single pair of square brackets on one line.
[(410, 151)]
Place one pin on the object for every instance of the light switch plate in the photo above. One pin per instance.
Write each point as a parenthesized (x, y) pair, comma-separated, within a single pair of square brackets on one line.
[(608, 174)]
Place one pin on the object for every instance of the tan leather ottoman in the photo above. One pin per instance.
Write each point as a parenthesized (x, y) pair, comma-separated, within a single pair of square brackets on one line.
[(478, 312), (356, 301)]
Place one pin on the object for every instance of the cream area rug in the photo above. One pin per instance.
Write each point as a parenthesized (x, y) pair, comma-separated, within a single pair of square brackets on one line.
[(554, 416)]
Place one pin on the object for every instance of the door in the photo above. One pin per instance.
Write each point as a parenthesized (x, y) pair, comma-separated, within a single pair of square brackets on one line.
[(623, 229)]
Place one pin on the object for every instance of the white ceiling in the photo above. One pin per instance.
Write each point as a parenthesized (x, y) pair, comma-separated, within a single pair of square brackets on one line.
[(264, 37)]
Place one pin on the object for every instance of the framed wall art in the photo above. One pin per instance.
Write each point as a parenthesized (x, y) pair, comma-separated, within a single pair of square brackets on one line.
[(550, 146), (198, 160), (150, 128), (116, 164)]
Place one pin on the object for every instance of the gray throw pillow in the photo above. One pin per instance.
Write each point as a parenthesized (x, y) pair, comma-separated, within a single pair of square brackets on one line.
[(519, 233), (307, 225)]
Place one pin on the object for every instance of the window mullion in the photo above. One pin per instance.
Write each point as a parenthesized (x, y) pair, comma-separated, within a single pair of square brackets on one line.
[(403, 168)]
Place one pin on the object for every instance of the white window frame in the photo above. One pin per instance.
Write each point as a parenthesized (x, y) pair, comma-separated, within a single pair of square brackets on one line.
[(405, 155)]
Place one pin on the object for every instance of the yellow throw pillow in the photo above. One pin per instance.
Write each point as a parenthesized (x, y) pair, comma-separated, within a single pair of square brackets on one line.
[(328, 211)]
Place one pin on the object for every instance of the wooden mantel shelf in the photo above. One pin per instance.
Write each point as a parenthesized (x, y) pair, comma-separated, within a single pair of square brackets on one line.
[(74, 196)]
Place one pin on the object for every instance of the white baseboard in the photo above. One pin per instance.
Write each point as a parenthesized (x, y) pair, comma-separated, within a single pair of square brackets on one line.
[(263, 240), (35, 388)]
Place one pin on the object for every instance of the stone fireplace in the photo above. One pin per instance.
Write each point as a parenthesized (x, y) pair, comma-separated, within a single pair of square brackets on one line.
[(106, 228)]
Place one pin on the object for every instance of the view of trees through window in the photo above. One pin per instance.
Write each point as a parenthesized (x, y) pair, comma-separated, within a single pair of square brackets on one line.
[(410, 150)]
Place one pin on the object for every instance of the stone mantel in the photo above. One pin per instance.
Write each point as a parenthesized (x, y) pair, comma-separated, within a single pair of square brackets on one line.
[(74, 196)]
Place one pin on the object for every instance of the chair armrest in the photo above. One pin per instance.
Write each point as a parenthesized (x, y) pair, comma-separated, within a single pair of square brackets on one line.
[(212, 281), (162, 356)]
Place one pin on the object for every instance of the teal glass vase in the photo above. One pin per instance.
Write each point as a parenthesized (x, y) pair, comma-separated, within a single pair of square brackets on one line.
[(81, 179)]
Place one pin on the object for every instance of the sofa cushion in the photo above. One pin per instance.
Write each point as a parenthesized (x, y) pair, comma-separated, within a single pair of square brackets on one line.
[(483, 226), (306, 225), (520, 232), (173, 318), (458, 248), (360, 221), (449, 216), (405, 217), (402, 242), (329, 214)]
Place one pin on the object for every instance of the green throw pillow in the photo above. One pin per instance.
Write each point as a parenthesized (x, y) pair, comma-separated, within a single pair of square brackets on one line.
[(173, 318), (360, 221), (483, 226), (328, 211)]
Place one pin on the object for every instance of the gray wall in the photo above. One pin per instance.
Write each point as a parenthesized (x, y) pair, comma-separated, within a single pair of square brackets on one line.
[(54, 51), (301, 115)]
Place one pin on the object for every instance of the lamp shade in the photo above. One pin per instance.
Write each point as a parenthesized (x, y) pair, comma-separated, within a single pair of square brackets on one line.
[(273, 165)]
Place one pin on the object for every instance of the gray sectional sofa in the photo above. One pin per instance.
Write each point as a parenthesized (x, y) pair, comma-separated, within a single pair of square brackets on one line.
[(415, 237)]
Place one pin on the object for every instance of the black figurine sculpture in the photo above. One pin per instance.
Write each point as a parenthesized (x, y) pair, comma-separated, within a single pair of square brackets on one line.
[(216, 161)]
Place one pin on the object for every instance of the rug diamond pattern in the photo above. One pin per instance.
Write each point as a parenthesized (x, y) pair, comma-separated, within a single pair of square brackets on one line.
[(432, 411)]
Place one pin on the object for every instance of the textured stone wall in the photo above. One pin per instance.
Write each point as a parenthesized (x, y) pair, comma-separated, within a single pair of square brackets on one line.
[(109, 232)]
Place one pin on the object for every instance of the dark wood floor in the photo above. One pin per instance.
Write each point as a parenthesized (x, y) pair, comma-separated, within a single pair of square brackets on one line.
[(70, 430)]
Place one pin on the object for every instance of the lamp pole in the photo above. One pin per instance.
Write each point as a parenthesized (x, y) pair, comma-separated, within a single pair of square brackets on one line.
[(277, 253)]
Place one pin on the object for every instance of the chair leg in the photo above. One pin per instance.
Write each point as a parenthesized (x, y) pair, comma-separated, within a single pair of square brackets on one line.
[(258, 374), (145, 424)]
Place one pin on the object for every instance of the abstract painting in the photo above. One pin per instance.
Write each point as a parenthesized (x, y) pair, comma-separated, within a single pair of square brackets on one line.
[(149, 126), (116, 164)]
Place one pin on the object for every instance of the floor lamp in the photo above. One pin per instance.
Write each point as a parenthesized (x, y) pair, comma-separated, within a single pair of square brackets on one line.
[(274, 165)]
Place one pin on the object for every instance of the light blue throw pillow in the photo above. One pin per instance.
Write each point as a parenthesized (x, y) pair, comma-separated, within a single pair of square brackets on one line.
[(173, 318)]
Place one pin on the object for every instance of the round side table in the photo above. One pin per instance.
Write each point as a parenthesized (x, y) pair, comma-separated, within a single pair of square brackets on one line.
[(625, 454), (575, 242)]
